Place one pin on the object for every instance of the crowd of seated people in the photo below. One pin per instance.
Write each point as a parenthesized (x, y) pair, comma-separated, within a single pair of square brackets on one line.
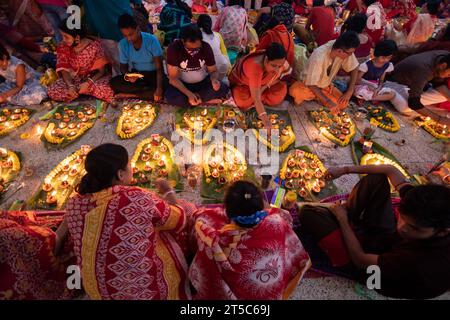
[(207, 53)]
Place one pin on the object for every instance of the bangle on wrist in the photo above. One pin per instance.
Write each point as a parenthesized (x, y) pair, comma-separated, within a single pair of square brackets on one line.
[(167, 193), (92, 81), (262, 113)]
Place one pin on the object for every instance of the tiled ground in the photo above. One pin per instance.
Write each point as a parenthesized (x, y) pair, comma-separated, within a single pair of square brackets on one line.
[(418, 154)]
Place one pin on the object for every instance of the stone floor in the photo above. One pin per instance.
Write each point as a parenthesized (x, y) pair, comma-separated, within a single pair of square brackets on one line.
[(417, 155)]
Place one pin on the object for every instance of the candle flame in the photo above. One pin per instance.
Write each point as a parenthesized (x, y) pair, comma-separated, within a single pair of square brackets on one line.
[(39, 130)]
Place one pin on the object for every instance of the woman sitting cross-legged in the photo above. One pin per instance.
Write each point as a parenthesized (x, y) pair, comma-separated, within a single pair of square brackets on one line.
[(125, 237), (256, 80), (246, 251), (81, 66), (412, 250)]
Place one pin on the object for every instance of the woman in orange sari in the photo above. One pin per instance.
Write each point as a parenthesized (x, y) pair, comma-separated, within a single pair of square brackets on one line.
[(124, 237), (246, 252), (81, 66), (256, 80)]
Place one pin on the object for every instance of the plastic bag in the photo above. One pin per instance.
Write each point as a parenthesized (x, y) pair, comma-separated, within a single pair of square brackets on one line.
[(300, 60)]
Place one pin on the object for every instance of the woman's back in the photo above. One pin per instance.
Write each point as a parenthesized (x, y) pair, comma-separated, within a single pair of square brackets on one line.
[(232, 25), (232, 262), (121, 247)]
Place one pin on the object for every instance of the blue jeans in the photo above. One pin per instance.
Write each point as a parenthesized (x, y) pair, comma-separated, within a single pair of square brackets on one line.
[(55, 15)]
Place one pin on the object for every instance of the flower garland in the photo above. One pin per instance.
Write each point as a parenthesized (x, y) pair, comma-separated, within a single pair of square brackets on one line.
[(290, 140), (376, 120)]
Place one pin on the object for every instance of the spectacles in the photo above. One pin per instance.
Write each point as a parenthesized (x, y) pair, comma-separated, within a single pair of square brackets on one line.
[(348, 53)]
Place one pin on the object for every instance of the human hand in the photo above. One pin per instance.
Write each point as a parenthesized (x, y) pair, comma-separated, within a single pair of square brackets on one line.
[(340, 212), (344, 99), (215, 84), (157, 96), (73, 92), (84, 87), (194, 99), (162, 185), (266, 122), (131, 77), (3, 98), (334, 172)]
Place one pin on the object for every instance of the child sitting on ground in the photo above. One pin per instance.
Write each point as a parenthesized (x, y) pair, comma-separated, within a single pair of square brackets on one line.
[(371, 75), (21, 86)]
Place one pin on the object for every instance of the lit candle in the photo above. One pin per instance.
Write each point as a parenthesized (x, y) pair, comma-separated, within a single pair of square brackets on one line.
[(39, 130)]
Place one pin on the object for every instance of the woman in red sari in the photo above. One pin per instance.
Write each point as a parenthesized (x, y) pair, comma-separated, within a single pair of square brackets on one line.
[(244, 251), (124, 237), (32, 265), (81, 66)]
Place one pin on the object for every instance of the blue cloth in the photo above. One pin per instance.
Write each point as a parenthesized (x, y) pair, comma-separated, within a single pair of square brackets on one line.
[(142, 59), (102, 17)]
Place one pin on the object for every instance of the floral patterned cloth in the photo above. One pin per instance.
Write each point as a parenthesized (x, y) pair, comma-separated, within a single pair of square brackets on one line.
[(81, 65), (28, 268), (31, 93), (263, 262), (232, 25), (124, 240)]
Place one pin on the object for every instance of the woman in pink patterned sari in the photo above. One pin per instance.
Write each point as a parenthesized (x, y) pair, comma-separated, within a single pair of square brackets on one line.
[(81, 66), (245, 252), (124, 237), (232, 25)]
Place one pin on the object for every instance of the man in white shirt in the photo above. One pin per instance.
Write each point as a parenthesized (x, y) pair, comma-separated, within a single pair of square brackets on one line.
[(322, 68)]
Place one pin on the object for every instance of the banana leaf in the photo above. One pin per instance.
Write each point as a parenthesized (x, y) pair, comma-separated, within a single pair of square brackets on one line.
[(286, 143), (327, 134), (119, 130), (38, 200), (357, 154), (213, 192), (4, 131), (329, 189), (8, 176), (181, 125), (62, 142), (173, 172)]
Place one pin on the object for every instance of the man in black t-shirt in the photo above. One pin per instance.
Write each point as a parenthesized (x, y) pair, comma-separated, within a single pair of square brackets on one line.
[(192, 71), (411, 251)]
